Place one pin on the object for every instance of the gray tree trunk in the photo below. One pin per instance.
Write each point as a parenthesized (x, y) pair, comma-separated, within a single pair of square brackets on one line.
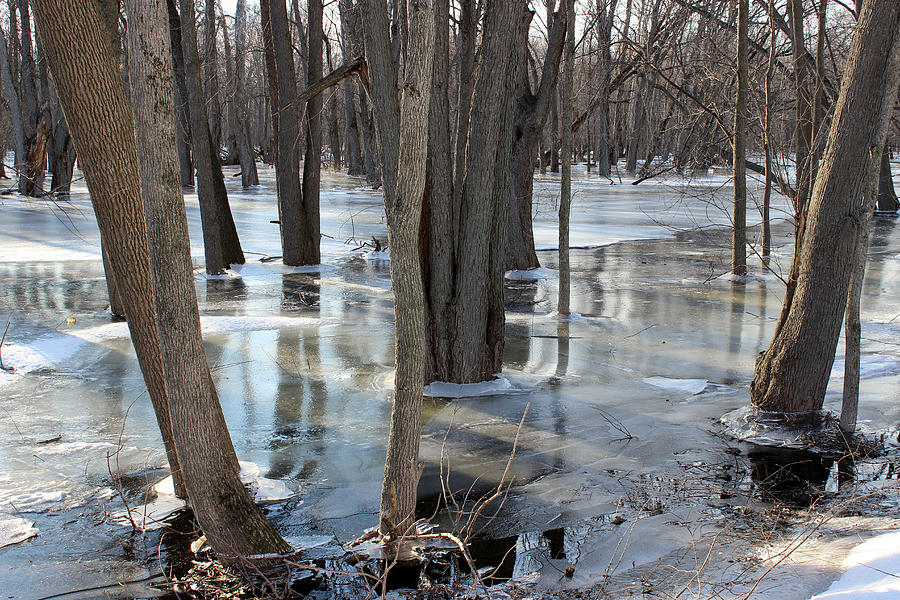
[(348, 87), (739, 144), (887, 197), (182, 114), (233, 525), (221, 245), (249, 174), (565, 203), (34, 137), (211, 76), (312, 163), (93, 98), (792, 374), (405, 118), (12, 99)]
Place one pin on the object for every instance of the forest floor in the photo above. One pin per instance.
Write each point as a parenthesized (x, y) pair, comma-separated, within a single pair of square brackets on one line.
[(625, 481)]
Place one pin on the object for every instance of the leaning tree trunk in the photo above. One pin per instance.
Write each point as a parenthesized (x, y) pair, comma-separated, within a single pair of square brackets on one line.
[(792, 374), (221, 245), (92, 95), (233, 525)]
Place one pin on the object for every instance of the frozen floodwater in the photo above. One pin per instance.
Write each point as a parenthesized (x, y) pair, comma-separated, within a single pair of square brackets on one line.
[(623, 402)]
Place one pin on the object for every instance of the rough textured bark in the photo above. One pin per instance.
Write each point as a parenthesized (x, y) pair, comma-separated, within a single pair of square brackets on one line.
[(221, 245), (403, 118), (606, 10), (532, 108), (792, 374), (62, 155), (287, 166), (565, 203), (739, 145), (93, 98), (468, 31), (249, 174), (233, 525), (310, 237)]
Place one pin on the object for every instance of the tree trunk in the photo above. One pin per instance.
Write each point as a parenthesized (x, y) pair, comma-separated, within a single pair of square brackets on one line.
[(233, 525), (310, 237), (32, 171), (739, 145), (249, 174), (565, 203), (792, 374), (349, 50), (183, 139), (887, 197), (221, 245), (334, 130), (211, 76), (403, 118), (12, 99), (62, 155), (531, 118), (93, 98), (287, 166)]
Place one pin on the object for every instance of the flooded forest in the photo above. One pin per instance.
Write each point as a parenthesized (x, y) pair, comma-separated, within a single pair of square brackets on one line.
[(449, 299)]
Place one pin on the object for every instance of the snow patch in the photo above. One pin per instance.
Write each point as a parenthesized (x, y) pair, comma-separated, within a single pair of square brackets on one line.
[(537, 274), (15, 531), (872, 571), (36, 501), (870, 365), (687, 386), (499, 385)]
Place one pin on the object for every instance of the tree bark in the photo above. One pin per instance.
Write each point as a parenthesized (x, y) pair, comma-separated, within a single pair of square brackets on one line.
[(565, 203), (233, 525), (29, 175), (739, 144), (348, 87), (211, 76), (221, 245), (183, 139), (12, 99), (403, 118), (249, 174), (312, 163), (887, 197), (792, 374), (92, 95)]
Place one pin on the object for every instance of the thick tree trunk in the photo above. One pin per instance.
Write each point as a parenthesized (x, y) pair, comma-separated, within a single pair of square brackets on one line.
[(792, 374), (93, 98), (739, 145), (531, 117), (233, 525), (221, 245), (310, 237), (62, 155), (565, 203), (287, 167)]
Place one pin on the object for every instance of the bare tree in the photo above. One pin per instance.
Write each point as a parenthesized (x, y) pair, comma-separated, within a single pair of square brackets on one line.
[(792, 374)]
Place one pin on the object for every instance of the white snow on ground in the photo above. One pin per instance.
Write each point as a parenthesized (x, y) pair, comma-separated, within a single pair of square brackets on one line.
[(688, 386), (872, 571), (531, 274), (153, 514), (870, 365), (499, 385), (52, 349), (16, 530)]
